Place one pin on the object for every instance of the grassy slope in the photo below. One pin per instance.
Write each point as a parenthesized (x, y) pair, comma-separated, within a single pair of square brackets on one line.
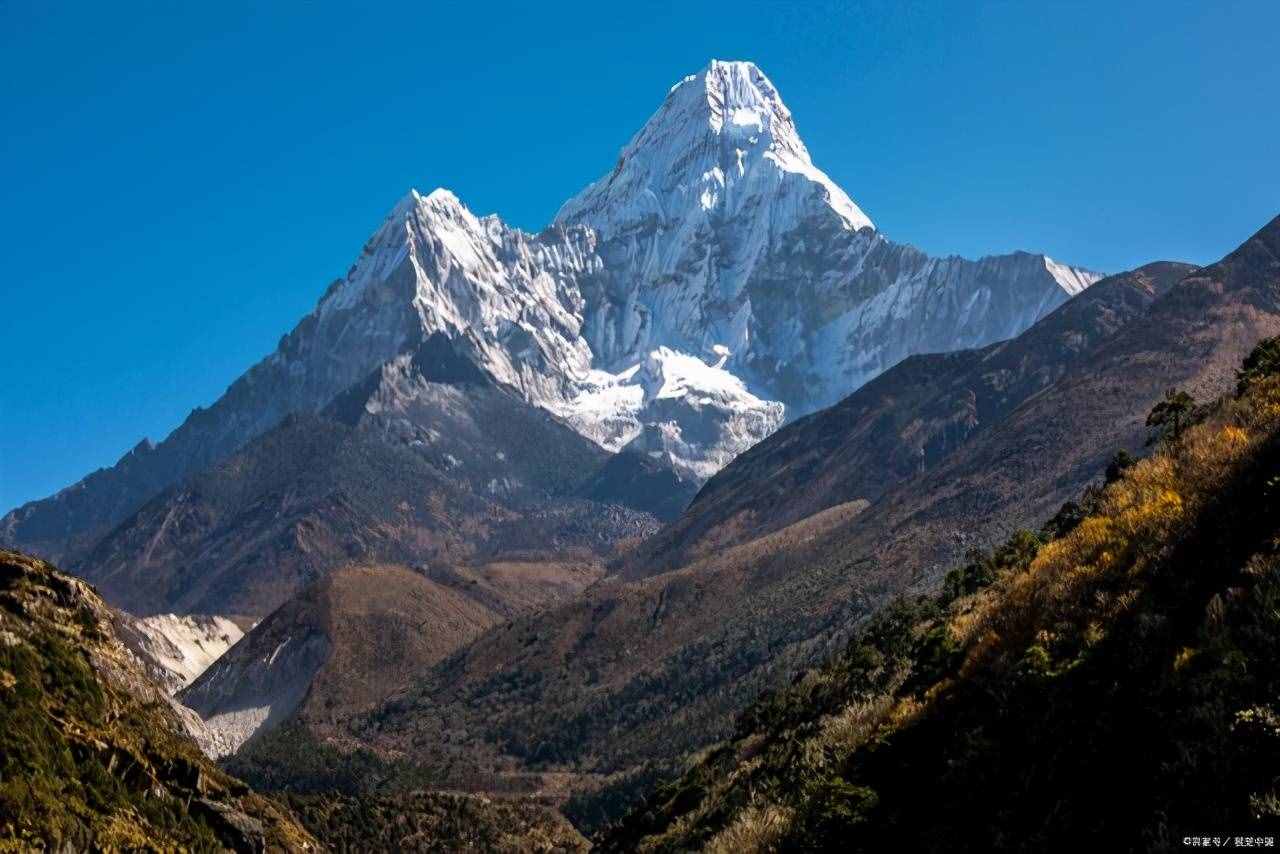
[(1116, 683)]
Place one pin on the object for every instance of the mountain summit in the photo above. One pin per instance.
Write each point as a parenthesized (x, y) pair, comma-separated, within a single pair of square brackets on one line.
[(722, 139), (713, 285)]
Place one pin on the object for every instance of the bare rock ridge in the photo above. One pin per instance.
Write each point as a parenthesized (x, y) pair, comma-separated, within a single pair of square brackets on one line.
[(713, 285)]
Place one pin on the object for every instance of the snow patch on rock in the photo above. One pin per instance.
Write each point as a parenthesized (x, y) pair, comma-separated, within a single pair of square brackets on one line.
[(177, 649)]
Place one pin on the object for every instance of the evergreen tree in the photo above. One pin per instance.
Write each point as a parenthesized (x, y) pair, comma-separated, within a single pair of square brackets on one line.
[(1263, 361), (1170, 416)]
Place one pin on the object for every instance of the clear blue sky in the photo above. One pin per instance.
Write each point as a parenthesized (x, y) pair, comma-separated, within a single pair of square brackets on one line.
[(179, 185)]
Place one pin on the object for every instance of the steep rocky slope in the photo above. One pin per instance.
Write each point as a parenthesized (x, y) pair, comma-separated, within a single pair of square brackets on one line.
[(438, 403), (725, 238), (426, 460), (175, 650), (93, 755), (1107, 682), (714, 284)]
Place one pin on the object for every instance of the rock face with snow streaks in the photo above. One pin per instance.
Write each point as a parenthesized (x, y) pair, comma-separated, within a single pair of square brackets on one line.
[(723, 235)]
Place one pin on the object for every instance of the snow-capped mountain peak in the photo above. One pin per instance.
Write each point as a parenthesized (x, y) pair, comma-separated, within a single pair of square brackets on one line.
[(713, 283), (722, 141)]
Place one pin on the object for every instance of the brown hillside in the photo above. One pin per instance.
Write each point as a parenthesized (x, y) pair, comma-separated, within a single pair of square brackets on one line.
[(360, 634)]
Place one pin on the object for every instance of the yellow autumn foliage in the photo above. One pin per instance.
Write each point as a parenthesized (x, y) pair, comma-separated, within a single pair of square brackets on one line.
[(1139, 517)]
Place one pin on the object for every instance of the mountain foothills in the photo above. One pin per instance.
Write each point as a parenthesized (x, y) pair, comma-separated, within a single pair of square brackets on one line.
[(361, 634), (707, 518), (1110, 680), (713, 285), (96, 757)]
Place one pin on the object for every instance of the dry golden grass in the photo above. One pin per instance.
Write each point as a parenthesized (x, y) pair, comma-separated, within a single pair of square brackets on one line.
[(853, 727), (1078, 583), (755, 830)]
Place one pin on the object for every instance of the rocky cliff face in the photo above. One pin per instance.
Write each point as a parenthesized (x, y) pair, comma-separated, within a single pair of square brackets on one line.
[(713, 285)]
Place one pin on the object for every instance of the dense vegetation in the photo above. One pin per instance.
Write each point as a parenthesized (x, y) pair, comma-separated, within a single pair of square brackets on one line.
[(435, 822), (291, 759), (91, 756), (1112, 680)]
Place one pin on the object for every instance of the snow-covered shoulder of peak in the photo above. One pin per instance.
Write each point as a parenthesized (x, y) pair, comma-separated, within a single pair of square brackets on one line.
[(671, 404), (699, 416), (440, 214), (722, 141), (668, 373), (1072, 279), (604, 407)]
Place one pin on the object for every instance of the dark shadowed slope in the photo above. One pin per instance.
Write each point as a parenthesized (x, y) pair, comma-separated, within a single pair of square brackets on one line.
[(310, 495), (427, 460), (437, 823), (1110, 684)]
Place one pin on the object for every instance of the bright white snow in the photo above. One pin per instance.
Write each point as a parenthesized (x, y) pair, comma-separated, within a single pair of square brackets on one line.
[(185, 646)]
